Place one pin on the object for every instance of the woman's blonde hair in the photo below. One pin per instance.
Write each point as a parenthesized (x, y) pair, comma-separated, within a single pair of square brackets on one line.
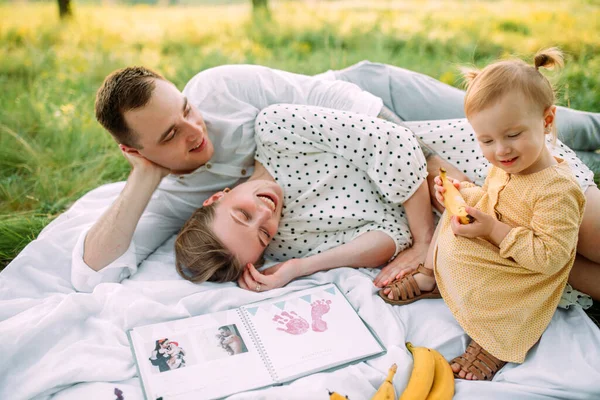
[(201, 256), (485, 87)]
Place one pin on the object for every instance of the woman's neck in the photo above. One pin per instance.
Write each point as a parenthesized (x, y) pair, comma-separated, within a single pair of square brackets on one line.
[(261, 173)]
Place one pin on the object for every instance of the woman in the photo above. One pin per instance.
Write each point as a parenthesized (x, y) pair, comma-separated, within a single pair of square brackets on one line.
[(349, 187)]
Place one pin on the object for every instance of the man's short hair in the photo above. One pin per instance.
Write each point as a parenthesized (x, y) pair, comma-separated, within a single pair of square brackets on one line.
[(123, 90)]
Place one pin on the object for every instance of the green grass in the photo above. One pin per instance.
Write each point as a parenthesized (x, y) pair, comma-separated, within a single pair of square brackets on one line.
[(52, 150)]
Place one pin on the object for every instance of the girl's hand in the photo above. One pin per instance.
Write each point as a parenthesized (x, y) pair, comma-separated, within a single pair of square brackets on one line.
[(439, 189), (271, 278), (482, 227), (405, 262)]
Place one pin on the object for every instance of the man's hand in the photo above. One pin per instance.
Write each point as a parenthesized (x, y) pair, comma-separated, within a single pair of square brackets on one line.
[(404, 263), (439, 189), (271, 278), (145, 166), (433, 168)]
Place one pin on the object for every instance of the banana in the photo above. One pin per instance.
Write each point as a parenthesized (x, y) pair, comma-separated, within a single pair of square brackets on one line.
[(453, 200), (421, 378), (337, 396), (386, 391), (443, 381)]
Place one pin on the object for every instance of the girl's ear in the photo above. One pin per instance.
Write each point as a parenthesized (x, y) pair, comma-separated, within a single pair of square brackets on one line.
[(549, 116), (215, 197)]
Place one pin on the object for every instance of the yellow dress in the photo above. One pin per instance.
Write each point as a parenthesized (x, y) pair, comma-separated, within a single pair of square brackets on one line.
[(504, 298)]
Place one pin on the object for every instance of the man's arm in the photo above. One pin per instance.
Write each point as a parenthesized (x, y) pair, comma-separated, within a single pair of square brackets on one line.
[(111, 235)]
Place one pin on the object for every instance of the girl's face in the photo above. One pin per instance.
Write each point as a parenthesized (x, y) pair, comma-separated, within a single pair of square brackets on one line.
[(512, 133), (247, 218)]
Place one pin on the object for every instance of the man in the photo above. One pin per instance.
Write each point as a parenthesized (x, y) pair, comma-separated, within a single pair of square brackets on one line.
[(202, 140)]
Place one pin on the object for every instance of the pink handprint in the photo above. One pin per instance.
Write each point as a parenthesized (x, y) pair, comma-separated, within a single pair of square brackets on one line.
[(319, 308), (294, 324)]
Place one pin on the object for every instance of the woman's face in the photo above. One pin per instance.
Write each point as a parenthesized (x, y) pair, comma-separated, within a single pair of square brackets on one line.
[(247, 218)]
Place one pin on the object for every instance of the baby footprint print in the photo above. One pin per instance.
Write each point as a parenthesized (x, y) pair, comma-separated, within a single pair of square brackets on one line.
[(319, 308), (294, 324)]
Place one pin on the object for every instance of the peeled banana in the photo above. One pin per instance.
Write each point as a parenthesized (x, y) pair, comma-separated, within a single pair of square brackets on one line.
[(443, 381), (453, 200), (421, 378), (386, 391), (337, 396)]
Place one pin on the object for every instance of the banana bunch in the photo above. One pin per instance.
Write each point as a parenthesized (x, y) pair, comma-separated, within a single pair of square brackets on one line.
[(386, 391), (431, 377), (453, 200)]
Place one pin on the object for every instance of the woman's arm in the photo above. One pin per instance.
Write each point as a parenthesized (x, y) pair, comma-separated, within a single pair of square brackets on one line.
[(369, 250)]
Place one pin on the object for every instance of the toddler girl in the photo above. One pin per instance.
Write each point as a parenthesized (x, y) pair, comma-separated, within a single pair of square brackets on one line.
[(503, 275)]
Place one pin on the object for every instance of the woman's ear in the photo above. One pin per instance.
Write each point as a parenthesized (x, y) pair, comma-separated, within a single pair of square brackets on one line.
[(215, 197)]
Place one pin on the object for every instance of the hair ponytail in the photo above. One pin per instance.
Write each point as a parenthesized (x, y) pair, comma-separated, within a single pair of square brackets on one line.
[(469, 74), (549, 59)]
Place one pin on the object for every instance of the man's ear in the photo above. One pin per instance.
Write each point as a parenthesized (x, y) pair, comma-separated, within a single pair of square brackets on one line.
[(129, 150), (215, 197)]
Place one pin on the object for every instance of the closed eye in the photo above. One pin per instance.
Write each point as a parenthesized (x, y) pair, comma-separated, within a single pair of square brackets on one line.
[(514, 135), (245, 215)]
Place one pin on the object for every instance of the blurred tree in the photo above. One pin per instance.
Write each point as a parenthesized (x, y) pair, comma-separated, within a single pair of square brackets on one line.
[(260, 8), (64, 9)]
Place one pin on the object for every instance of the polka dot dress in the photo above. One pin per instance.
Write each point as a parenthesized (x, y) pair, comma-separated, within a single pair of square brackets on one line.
[(343, 174), (454, 140)]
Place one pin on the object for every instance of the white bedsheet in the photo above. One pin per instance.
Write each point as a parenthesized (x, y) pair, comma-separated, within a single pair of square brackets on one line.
[(57, 343)]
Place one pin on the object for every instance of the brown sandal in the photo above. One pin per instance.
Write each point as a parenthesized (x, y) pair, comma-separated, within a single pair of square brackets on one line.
[(479, 362), (406, 290)]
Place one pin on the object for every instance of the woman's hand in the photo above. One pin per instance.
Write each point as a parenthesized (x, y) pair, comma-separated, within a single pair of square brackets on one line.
[(404, 263), (273, 277), (439, 189)]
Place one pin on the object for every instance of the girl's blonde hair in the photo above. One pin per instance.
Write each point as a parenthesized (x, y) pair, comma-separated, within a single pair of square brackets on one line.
[(485, 87)]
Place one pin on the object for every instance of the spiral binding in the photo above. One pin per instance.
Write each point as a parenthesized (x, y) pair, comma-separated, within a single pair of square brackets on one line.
[(258, 344)]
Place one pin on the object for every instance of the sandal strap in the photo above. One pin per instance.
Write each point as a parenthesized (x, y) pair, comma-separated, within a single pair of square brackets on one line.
[(405, 288), (479, 362), (425, 271)]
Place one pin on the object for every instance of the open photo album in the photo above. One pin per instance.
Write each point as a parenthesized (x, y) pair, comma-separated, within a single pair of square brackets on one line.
[(261, 344)]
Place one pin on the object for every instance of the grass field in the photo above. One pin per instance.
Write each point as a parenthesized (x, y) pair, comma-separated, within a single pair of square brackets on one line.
[(52, 150)]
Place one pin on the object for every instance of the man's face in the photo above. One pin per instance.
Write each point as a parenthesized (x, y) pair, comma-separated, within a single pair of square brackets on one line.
[(171, 132)]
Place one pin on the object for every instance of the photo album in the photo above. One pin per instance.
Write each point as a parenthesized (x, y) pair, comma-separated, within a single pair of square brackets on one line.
[(257, 345)]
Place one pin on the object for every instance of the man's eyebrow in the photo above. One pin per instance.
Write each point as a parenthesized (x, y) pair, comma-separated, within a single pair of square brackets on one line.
[(237, 221), (166, 133)]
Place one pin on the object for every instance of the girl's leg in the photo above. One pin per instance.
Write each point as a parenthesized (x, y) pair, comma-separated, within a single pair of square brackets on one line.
[(585, 275)]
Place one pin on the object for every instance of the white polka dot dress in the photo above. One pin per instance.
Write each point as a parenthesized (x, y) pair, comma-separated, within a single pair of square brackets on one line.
[(454, 140), (343, 174)]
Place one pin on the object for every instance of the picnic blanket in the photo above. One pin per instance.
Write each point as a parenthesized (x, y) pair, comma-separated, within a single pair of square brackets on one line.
[(57, 343)]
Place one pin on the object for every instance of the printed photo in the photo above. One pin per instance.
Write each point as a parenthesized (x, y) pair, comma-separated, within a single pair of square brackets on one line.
[(231, 340), (167, 355), (219, 342)]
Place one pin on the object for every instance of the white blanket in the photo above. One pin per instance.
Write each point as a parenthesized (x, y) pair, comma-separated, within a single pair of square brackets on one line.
[(55, 342)]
